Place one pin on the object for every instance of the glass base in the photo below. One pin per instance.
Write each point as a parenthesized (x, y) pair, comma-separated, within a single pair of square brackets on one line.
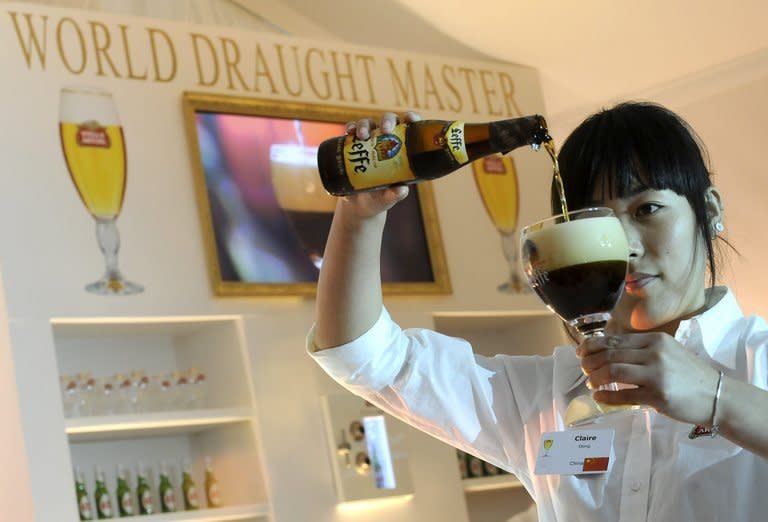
[(585, 410), (114, 286)]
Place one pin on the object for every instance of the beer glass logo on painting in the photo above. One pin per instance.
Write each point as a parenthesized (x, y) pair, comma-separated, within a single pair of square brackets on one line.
[(91, 134), (494, 165), (387, 146)]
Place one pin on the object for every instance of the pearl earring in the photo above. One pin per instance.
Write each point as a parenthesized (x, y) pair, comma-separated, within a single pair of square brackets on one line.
[(719, 227)]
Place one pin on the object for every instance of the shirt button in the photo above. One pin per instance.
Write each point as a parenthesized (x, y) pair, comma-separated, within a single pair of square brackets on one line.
[(636, 486)]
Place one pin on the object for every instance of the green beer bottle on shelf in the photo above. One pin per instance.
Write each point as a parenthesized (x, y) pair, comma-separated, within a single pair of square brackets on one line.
[(212, 493), (166, 491), (419, 151), (83, 501), (101, 496), (188, 488), (123, 494), (144, 492)]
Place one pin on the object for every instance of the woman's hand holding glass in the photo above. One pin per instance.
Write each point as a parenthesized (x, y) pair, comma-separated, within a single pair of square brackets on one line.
[(662, 374)]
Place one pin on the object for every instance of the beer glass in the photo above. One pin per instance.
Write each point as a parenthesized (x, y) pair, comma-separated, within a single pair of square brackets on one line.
[(496, 181), (94, 149), (578, 266), (300, 194)]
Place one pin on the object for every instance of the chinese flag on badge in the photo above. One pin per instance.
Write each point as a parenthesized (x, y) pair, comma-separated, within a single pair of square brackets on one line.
[(595, 464)]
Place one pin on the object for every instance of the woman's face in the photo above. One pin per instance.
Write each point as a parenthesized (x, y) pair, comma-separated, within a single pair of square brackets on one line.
[(665, 280)]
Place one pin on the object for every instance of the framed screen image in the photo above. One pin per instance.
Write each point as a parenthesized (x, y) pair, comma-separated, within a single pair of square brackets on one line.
[(264, 213)]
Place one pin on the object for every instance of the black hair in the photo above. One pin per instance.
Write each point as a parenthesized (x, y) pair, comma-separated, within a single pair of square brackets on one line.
[(632, 147)]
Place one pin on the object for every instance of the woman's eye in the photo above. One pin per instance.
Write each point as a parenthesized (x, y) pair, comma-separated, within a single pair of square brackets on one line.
[(646, 209)]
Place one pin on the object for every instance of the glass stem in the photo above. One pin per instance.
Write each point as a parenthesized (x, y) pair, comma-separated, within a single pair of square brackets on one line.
[(109, 243), (611, 386)]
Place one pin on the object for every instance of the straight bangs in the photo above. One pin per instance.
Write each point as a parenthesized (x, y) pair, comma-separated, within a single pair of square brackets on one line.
[(620, 152)]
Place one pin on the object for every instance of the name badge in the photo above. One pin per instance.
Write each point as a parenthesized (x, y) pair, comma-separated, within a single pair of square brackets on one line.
[(575, 452)]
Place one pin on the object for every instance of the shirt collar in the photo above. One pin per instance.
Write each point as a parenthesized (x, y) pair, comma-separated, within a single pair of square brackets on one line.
[(711, 326)]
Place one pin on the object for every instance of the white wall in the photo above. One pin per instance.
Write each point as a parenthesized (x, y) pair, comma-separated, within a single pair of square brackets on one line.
[(49, 251)]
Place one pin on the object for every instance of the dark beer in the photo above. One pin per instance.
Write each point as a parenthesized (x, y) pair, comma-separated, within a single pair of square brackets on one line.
[(419, 151), (585, 289), (307, 207), (578, 267), (312, 229)]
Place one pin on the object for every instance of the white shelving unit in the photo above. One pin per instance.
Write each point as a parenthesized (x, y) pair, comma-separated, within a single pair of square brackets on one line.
[(253, 512), (224, 428), (153, 424)]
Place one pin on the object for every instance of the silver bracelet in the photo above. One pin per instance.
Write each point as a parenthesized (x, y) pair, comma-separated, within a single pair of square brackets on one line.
[(715, 426)]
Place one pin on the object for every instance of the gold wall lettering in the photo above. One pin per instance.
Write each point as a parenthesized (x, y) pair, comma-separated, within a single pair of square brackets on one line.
[(124, 51), (127, 50), (346, 75), (60, 45), (32, 40), (110, 49), (212, 59), (262, 69), (231, 53), (325, 93), (170, 52), (101, 47)]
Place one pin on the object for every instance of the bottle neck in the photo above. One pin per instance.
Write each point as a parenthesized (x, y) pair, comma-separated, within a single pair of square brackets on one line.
[(504, 136)]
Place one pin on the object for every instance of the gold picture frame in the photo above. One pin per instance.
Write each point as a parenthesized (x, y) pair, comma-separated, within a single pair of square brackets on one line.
[(263, 213)]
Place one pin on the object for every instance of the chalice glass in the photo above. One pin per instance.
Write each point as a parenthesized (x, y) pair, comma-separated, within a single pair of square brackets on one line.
[(577, 264)]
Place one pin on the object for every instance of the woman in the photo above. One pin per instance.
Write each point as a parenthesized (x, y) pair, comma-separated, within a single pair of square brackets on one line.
[(694, 358)]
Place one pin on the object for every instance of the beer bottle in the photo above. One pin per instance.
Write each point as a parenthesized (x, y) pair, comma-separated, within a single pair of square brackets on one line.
[(462, 460), (144, 492), (83, 501), (212, 492), (188, 487), (123, 493), (419, 151), (167, 494), (489, 469), (101, 495), (474, 467)]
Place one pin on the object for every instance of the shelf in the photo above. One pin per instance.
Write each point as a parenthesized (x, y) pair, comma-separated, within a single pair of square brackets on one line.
[(221, 514), (505, 481), (152, 424), (133, 326)]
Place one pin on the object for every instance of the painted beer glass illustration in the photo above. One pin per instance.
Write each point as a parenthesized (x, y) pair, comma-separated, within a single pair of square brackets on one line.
[(577, 264), (94, 149), (496, 180)]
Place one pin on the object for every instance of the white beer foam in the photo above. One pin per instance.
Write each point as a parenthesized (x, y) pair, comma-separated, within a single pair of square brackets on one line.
[(296, 179), (580, 241), (81, 104)]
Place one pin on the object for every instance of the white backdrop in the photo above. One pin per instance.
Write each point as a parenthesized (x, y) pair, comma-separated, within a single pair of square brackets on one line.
[(49, 248)]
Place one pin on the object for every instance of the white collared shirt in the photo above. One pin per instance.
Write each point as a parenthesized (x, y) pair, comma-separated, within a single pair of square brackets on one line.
[(497, 409)]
